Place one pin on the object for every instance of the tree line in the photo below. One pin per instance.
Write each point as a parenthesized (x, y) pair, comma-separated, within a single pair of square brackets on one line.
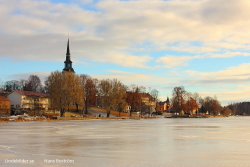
[(184, 102), (82, 91), (242, 108), (32, 84), (67, 89)]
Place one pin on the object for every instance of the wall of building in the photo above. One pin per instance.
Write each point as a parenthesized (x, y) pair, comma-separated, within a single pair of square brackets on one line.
[(15, 99)]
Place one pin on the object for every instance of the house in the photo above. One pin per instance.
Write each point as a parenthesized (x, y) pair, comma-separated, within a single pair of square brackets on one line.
[(29, 100), (164, 106), (203, 111), (148, 102), (143, 102), (4, 106)]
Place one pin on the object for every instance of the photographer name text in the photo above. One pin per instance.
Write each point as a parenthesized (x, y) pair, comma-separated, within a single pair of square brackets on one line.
[(58, 161)]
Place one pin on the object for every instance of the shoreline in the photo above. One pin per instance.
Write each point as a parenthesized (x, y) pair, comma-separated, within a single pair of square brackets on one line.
[(6, 120), (74, 119)]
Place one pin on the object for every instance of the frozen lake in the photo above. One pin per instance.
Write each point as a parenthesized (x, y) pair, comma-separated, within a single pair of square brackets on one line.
[(112, 143)]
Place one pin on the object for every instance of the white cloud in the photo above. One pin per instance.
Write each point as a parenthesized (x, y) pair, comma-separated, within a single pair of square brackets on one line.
[(240, 73), (41, 74), (169, 61), (239, 93), (229, 54), (141, 79), (116, 26)]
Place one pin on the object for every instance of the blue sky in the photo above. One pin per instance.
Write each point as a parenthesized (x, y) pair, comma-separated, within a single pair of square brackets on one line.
[(200, 44)]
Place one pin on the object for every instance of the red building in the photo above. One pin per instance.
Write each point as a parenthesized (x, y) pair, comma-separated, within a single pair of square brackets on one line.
[(164, 106)]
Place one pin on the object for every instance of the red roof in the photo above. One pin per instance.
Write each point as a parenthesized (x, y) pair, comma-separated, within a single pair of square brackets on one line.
[(4, 99), (143, 95), (31, 93)]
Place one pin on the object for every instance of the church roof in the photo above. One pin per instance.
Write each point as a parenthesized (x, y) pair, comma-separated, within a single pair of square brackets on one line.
[(68, 62), (167, 101), (163, 102), (68, 51)]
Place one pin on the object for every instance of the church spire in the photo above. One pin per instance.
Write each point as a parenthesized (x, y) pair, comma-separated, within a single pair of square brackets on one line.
[(68, 51), (68, 62), (167, 101)]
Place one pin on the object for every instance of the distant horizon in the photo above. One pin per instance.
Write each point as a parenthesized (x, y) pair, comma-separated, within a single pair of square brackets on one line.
[(157, 44)]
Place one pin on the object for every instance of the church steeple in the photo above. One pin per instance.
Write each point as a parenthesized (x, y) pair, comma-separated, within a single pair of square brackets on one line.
[(167, 101), (68, 51), (68, 62)]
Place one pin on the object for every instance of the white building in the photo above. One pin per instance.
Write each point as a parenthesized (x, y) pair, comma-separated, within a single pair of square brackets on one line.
[(29, 100)]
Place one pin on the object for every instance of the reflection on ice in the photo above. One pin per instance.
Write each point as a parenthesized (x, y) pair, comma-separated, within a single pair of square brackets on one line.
[(197, 126)]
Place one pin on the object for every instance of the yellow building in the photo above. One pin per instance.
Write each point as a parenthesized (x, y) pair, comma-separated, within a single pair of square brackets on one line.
[(148, 103), (29, 100)]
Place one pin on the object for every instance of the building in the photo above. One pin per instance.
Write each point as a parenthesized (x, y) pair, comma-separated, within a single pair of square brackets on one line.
[(4, 106), (149, 103), (143, 102), (29, 100), (164, 106), (202, 111), (68, 63)]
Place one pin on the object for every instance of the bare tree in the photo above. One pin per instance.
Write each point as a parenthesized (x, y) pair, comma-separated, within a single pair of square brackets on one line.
[(12, 85), (24, 83), (178, 99), (33, 84), (55, 85), (226, 111), (212, 105), (65, 89), (90, 90), (1, 84), (133, 98), (154, 94), (112, 92), (73, 90)]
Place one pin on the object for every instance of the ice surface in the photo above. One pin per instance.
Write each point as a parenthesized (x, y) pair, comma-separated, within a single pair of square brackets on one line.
[(153, 142)]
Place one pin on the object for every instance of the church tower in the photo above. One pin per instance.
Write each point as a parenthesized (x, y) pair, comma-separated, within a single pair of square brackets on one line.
[(68, 62), (168, 103)]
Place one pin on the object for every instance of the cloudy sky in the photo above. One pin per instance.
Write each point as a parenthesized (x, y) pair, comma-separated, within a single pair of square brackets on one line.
[(203, 45)]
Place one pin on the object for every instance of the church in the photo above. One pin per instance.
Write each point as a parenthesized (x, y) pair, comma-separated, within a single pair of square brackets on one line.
[(68, 63)]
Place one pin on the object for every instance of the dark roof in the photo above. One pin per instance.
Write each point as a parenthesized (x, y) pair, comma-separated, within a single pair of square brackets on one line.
[(161, 103), (143, 95), (31, 93)]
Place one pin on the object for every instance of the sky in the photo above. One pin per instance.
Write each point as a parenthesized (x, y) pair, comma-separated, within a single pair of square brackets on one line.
[(203, 45)]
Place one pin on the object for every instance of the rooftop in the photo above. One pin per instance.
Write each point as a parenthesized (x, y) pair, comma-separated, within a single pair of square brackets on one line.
[(31, 93), (4, 99)]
